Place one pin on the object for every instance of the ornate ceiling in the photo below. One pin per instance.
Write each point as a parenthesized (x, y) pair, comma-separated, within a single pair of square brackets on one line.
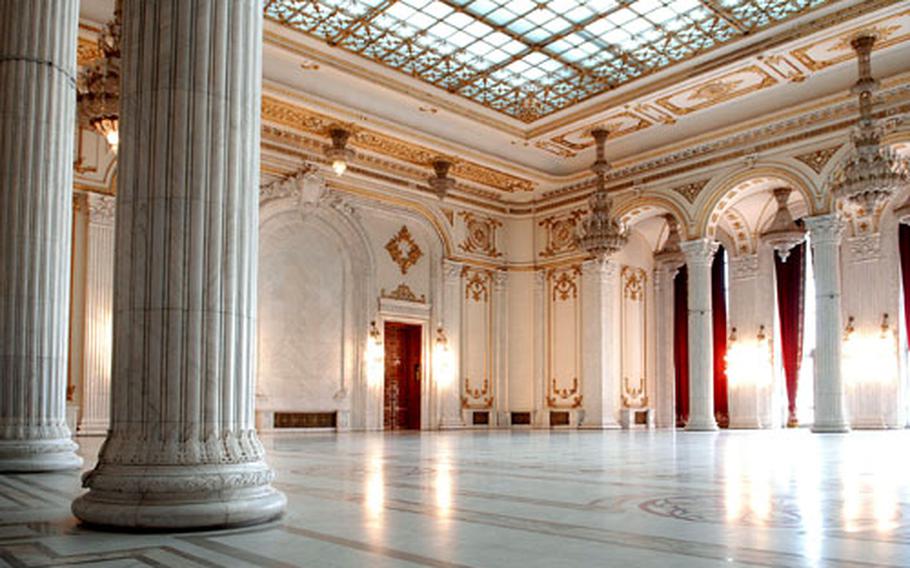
[(529, 59)]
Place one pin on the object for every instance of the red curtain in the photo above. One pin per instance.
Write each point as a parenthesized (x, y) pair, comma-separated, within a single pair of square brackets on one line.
[(681, 344), (791, 285), (719, 325), (904, 240)]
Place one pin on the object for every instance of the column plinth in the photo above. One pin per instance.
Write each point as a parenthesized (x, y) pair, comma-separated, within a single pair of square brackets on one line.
[(37, 117), (825, 233), (699, 254), (181, 451)]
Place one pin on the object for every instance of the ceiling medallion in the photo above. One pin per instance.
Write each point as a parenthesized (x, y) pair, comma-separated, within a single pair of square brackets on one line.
[(601, 235), (404, 251), (783, 233), (98, 93), (872, 173)]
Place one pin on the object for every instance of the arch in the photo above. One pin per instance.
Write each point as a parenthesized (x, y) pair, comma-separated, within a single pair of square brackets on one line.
[(718, 194), (644, 206)]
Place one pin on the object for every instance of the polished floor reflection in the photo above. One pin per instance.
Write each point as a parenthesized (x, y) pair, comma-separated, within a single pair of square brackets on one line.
[(781, 498)]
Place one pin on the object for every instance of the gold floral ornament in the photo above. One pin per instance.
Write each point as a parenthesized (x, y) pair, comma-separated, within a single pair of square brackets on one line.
[(481, 234), (404, 250)]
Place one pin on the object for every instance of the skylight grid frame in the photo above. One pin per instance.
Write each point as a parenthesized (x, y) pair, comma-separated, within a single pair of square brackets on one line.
[(525, 58)]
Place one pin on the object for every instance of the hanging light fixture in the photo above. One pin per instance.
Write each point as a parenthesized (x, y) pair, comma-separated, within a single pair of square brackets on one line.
[(671, 252), (783, 233), (338, 152), (872, 173), (98, 94), (601, 235), (441, 184)]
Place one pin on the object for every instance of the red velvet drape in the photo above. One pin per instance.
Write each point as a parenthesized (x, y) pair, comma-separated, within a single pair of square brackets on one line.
[(904, 240), (719, 324), (791, 285), (681, 344)]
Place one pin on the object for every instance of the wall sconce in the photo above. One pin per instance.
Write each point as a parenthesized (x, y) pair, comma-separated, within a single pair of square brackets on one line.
[(375, 357), (441, 183), (443, 359), (338, 152), (869, 358), (749, 361)]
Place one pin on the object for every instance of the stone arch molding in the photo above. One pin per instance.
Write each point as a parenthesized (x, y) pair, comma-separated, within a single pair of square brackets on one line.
[(303, 205), (642, 207), (719, 188)]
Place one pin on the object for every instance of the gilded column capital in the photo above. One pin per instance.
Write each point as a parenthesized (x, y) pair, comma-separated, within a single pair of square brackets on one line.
[(699, 252), (825, 229)]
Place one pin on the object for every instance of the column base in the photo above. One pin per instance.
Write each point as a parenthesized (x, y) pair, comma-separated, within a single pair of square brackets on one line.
[(179, 497), (830, 428), (39, 455), (93, 428), (709, 425)]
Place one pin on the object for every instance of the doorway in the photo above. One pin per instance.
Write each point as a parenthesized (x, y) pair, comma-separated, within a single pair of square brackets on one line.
[(401, 397)]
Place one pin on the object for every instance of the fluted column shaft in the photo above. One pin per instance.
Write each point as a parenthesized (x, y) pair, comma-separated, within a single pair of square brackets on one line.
[(599, 343), (37, 118), (99, 307), (182, 451), (825, 233), (699, 254), (450, 395), (665, 383)]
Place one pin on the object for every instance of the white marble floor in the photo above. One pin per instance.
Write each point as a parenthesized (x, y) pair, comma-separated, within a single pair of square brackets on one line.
[(528, 499)]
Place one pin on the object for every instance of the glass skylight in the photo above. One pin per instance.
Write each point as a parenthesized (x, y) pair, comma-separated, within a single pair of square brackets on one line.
[(528, 58)]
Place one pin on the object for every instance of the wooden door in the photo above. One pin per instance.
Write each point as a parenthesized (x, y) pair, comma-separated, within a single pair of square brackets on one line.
[(402, 376)]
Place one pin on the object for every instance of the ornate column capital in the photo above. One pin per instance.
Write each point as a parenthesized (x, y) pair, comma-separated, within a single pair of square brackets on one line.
[(699, 252), (603, 267), (451, 270), (500, 280), (825, 229), (101, 209)]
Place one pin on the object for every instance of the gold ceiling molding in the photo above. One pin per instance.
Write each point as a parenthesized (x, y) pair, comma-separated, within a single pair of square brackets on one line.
[(480, 235), (719, 90), (818, 159), (691, 190), (404, 250), (293, 116), (570, 143), (834, 49)]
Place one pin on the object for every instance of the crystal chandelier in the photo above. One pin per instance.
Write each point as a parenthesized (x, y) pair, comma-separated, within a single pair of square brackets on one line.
[(872, 173), (601, 234), (98, 95), (671, 253), (783, 233)]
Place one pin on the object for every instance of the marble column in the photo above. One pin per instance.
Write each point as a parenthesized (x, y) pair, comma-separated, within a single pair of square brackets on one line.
[(450, 395), (37, 121), (699, 254), (665, 372), (99, 306), (599, 318), (540, 417), (501, 346), (182, 451), (825, 233)]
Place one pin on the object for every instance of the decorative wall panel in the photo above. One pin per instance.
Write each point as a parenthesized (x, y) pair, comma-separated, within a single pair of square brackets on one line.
[(477, 349), (563, 341), (634, 337)]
